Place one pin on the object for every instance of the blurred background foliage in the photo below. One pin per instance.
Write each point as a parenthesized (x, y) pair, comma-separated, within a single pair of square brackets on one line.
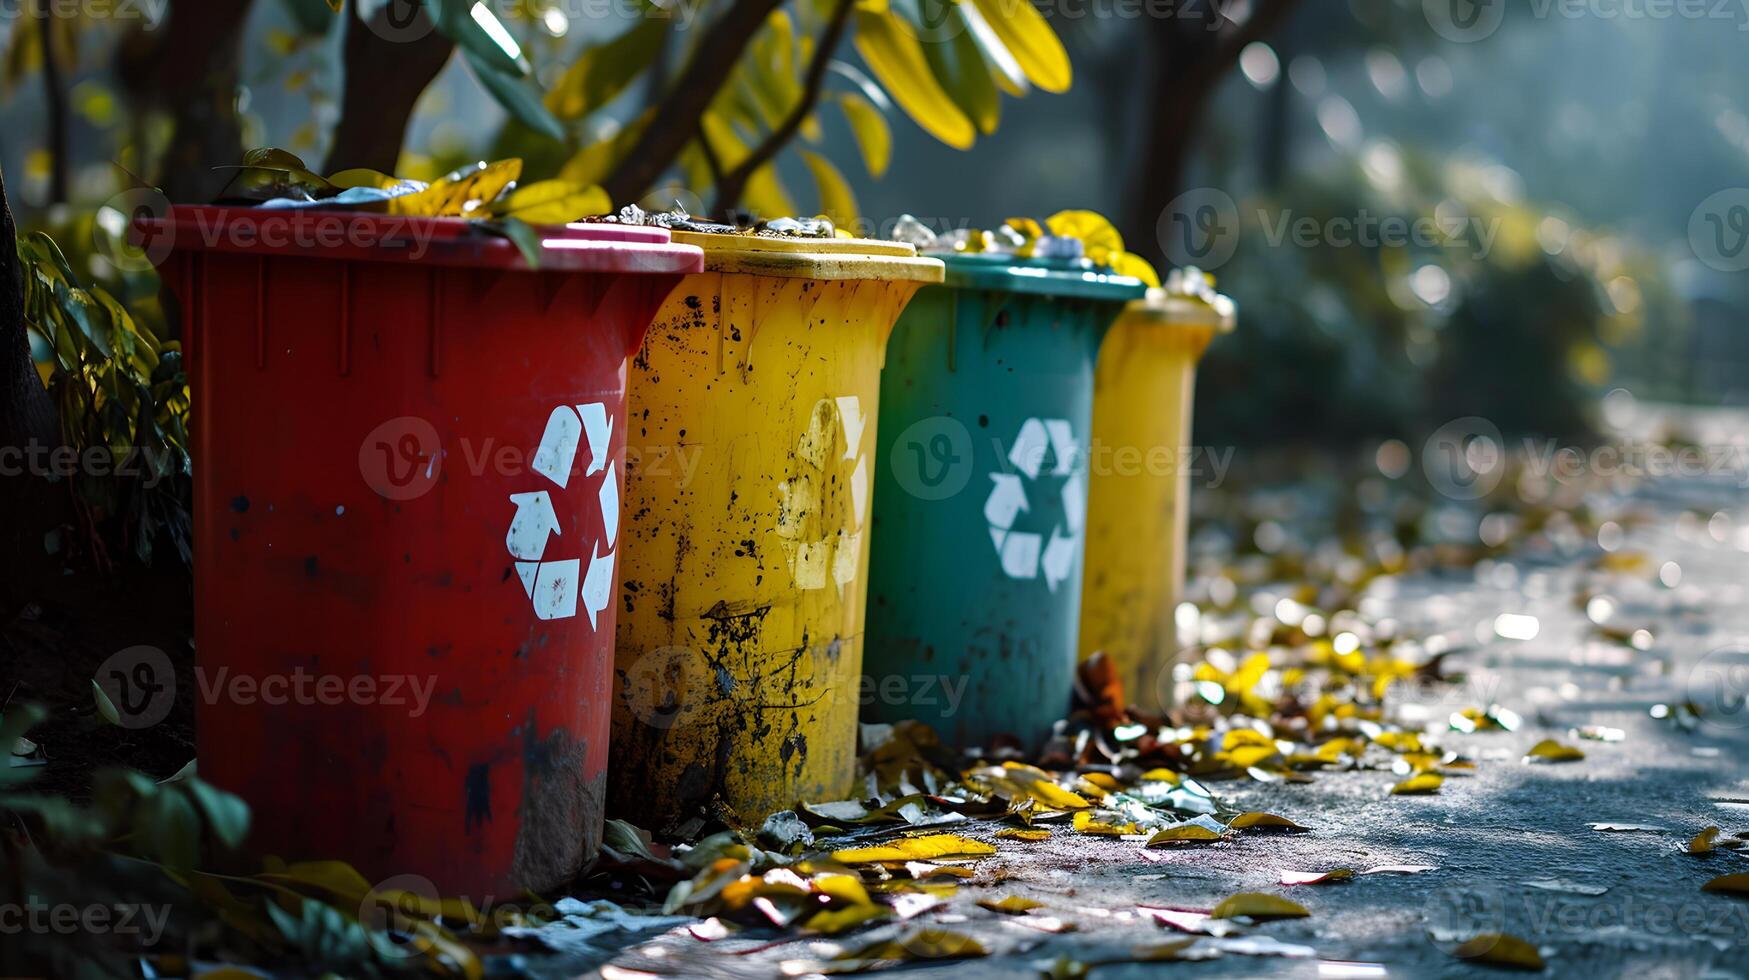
[(1588, 140)]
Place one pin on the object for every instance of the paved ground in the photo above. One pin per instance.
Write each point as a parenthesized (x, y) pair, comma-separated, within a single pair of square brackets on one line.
[(1489, 835)]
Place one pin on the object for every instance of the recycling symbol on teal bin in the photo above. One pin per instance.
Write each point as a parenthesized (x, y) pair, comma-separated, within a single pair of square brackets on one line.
[(1030, 555)]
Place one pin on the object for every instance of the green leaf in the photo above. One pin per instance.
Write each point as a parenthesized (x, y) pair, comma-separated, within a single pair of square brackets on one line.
[(836, 199), (889, 45), (602, 72), (456, 19), (869, 125), (959, 66), (517, 96), (1028, 36), (227, 816), (521, 234), (105, 706), (311, 16), (169, 828)]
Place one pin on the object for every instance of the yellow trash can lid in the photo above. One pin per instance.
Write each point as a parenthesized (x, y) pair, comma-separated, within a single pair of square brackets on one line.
[(813, 258), (1188, 299)]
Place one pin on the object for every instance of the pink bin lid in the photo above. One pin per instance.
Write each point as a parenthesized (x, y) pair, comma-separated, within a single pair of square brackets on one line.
[(365, 237)]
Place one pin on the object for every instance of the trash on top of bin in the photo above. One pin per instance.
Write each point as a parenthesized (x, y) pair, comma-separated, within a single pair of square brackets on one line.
[(1138, 506), (408, 452), (753, 404), (980, 491)]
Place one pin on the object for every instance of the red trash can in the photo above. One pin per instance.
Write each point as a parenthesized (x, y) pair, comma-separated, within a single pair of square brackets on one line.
[(408, 452)]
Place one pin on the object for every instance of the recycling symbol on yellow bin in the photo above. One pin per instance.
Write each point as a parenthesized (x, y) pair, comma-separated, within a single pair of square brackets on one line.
[(555, 584), (1027, 555), (824, 500)]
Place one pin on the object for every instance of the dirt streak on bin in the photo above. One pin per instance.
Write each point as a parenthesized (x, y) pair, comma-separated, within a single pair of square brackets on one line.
[(407, 473), (740, 640)]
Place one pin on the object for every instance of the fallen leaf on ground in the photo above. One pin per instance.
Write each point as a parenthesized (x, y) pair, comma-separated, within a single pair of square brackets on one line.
[(919, 944), (1263, 821), (1500, 949), (1399, 869), (1189, 920), (1626, 828), (1317, 877), (927, 847), (1737, 884), (1258, 905), (1549, 750), (1421, 785), (1563, 885), (1087, 823), (1702, 843), (1016, 833), (1184, 833), (1010, 905)]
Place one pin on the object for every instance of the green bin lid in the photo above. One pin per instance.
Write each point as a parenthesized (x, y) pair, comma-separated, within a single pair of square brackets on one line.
[(1067, 278)]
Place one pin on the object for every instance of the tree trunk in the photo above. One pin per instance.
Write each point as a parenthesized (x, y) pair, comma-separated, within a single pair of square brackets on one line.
[(382, 84), (1191, 57), (29, 430), (189, 67)]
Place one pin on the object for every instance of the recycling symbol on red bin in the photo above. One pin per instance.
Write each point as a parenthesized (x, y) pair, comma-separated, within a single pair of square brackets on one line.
[(555, 584), (1027, 555)]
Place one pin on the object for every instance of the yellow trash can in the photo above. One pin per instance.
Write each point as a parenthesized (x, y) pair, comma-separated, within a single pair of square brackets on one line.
[(750, 464), (1138, 490)]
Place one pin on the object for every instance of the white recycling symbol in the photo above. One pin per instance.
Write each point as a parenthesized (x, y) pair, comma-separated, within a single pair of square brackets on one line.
[(554, 585), (820, 524), (1027, 554)]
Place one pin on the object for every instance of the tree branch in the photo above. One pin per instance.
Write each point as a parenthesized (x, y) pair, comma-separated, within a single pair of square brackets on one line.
[(731, 184), (677, 116), (56, 98)]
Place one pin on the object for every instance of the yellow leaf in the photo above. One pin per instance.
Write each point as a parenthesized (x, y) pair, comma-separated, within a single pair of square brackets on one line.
[(1133, 265), (602, 72), (836, 200), (1011, 905), (1499, 949), (553, 202), (869, 126), (923, 848), (834, 921), (1038, 785), (1317, 877), (594, 162), (1737, 884), (461, 193), (1101, 243), (1550, 750), (1258, 905), (1087, 823), (1703, 841), (364, 177), (928, 943), (337, 878), (888, 43), (1188, 833), (1268, 821), (1014, 833), (1028, 36), (1421, 785)]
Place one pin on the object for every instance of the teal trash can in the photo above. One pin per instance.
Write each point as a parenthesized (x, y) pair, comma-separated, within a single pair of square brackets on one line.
[(980, 496)]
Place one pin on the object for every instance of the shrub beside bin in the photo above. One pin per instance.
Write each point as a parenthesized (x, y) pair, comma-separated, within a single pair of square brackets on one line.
[(753, 404), (408, 449), (1138, 502), (975, 578)]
